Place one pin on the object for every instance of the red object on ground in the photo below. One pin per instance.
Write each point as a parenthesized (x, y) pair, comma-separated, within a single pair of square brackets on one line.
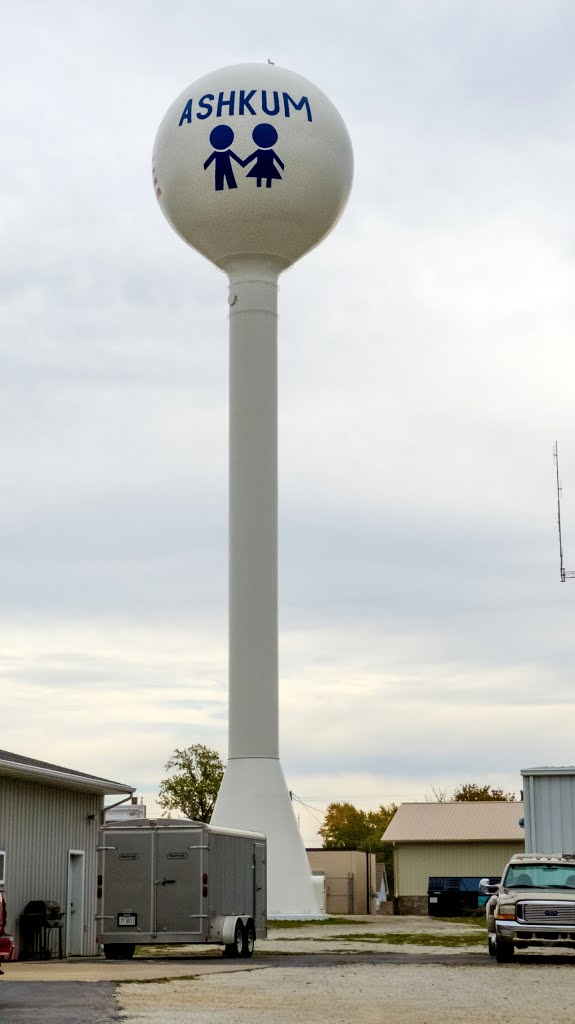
[(6, 941)]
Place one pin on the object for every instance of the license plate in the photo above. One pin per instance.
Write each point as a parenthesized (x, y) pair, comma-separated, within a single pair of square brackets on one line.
[(433, 899), (127, 920)]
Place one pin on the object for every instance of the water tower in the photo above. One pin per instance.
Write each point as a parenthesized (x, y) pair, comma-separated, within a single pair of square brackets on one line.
[(252, 168)]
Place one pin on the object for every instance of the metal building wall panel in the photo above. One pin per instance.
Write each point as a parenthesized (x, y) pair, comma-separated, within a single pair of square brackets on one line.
[(549, 811), (415, 862), (39, 825)]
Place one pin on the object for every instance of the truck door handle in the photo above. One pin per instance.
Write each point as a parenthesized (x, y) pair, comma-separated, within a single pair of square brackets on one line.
[(167, 881)]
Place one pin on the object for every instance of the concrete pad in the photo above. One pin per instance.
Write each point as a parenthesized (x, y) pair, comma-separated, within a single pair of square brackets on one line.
[(99, 969), (195, 961)]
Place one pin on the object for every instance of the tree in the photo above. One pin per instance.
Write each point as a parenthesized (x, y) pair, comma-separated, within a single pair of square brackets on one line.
[(471, 791), (346, 827), (468, 791), (439, 795), (193, 790)]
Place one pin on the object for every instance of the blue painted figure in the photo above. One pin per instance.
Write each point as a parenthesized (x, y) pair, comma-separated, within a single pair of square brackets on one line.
[(221, 139), (264, 136)]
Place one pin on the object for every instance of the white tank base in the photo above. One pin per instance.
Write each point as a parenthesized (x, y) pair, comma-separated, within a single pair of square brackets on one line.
[(254, 796)]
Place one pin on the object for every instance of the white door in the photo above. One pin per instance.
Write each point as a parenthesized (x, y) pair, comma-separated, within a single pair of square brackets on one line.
[(75, 904)]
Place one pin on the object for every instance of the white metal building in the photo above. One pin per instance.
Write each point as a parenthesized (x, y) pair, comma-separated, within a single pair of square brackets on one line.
[(49, 820), (549, 795)]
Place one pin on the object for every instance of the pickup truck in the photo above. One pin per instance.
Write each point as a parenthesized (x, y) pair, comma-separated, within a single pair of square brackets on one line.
[(534, 905)]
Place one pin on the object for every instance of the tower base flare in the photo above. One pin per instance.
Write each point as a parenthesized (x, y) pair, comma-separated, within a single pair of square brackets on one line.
[(254, 796)]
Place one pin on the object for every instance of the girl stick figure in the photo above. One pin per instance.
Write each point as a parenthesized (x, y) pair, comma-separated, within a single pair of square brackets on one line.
[(221, 139), (264, 136)]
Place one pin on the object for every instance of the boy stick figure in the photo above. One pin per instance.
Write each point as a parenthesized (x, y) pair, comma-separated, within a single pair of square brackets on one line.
[(221, 138), (264, 136)]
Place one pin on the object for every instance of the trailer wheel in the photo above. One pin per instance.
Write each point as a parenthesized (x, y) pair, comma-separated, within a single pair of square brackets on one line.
[(236, 948), (119, 950), (249, 940)]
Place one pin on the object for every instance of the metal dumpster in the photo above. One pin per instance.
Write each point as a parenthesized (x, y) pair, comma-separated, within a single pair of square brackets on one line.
[(451, 896)]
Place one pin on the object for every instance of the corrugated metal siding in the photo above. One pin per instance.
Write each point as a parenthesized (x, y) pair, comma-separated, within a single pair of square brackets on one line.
[(549, 813), (415, 862), (39, 825)]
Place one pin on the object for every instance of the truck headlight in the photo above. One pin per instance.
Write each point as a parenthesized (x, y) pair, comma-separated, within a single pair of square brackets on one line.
[(506, 912)]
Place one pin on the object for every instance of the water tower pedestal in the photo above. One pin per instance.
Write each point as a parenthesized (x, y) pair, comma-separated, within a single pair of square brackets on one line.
[(254, 789)]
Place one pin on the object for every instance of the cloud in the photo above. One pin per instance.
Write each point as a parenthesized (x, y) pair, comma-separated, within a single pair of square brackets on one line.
[(426, 362)]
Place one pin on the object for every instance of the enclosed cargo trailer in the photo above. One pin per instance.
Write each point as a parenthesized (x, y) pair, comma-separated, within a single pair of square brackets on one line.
[(164, 881)]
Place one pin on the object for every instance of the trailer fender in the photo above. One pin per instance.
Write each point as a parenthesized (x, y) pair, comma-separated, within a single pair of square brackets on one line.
[(224, 928)]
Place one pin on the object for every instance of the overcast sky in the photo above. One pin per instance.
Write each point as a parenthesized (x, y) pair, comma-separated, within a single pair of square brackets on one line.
[(427, 367)]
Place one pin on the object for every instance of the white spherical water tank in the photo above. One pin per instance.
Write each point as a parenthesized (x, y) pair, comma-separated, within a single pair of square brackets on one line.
[(252, 160), (252, 167)]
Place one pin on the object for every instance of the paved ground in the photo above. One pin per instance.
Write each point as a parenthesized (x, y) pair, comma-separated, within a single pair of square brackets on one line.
[(58, 1003), (139, 969), (191, 961)]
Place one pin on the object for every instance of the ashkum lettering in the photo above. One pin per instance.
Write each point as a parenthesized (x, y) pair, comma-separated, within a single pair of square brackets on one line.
[(243, 101)]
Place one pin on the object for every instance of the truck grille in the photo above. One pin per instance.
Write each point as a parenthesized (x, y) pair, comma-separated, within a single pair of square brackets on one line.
[(547, 913)]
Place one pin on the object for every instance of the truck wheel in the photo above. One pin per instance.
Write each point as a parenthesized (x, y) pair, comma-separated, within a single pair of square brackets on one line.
[(249, 940), (503, 952), (491, 945)]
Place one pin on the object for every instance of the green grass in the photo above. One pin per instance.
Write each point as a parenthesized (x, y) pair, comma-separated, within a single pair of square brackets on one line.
[(309, 923), (473, 922), (148, 952), (402, 939)]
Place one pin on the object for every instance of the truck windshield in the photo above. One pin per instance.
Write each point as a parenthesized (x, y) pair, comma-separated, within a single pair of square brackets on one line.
[(540, 876)]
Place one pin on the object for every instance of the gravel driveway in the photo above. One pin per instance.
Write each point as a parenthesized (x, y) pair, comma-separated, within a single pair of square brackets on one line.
[(468, 987), (362, 994)]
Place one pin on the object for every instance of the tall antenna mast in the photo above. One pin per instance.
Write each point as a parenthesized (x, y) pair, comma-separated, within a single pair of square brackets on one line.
[(565, 573)]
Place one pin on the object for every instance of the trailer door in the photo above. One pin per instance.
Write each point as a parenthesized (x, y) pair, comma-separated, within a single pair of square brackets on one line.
[(128, 883), (260, 894), (179, 881)]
